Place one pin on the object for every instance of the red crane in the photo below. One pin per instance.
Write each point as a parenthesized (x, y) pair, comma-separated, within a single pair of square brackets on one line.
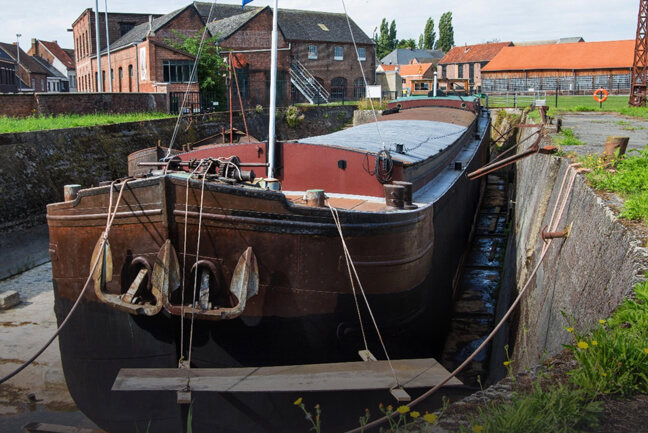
[(639, 79)]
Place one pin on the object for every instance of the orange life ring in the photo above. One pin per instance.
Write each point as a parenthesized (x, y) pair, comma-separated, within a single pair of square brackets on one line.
[(597, 94)]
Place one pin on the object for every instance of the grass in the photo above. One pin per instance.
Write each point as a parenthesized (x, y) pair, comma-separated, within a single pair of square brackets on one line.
[(38, 123), (612, 361), (626, 176), (566, 137)]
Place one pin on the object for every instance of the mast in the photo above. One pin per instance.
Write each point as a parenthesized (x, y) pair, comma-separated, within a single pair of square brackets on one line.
[(273, 94)]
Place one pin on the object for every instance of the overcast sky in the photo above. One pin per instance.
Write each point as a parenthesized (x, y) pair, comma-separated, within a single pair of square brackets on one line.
[(474, 21)]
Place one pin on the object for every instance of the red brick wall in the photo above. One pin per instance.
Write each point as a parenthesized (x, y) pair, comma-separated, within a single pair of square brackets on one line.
[(79, 103)]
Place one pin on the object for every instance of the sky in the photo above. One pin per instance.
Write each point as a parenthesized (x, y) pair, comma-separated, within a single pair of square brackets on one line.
[(474, 21)]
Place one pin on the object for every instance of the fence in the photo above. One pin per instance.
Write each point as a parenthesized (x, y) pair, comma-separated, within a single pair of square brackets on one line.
[(515, 99)]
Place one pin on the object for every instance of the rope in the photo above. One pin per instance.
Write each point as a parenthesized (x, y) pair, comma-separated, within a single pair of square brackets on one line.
[(184, 260), (193, 310), (517, 300), (351, 266), (104, 238), (364, 78), (193, 74)]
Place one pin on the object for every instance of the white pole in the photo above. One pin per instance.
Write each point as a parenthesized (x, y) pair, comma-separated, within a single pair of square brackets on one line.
[(273, 94), (18, 65), (110, 75), (99, 81), (435, 83)]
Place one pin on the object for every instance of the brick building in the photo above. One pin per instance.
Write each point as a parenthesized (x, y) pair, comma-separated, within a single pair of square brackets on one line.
[(31, 73), (142, 60), (8, 79), (466, 62), (59, 59)]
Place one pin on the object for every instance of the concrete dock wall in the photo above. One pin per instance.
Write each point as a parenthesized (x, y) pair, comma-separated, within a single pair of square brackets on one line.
[(583, 278)]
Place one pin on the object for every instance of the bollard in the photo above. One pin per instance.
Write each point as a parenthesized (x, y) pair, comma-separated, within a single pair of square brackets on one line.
[(315, 197), (613, 142), (394, 196), (70, 192)]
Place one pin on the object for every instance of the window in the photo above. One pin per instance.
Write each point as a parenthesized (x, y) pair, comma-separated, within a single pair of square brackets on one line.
[(178, 71), (421, 85), (312, 52), (338, 53), (359, 88), (125, 28), (338, 88), (460, 71), (362, 54)]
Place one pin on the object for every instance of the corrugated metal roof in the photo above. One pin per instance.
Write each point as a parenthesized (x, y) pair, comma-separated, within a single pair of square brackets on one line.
[(420, 138), (581, 55), (403, 56), (473, 53)]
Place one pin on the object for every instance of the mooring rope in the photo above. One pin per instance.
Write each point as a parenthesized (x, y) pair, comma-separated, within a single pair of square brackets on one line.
[(351, 266), (200, 215), (545, 248), (184, 259), (104, 239)]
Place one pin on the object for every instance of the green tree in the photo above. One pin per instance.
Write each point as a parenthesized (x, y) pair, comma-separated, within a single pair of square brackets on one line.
[(386, 39), (426, 41), (407, 43), (446, 33), (211, 66)]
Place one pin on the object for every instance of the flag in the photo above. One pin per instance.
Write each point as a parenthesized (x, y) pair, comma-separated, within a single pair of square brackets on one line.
[(245, 2)]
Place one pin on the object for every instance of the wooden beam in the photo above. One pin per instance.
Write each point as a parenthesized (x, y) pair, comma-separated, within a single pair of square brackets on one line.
[(348, 376), (39, 427)]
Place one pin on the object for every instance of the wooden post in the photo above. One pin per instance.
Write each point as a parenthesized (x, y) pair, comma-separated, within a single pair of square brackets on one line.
[(613, 142)]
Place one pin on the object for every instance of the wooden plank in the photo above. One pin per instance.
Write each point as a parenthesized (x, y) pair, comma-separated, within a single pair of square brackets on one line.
[(38, 427), (348, 376)]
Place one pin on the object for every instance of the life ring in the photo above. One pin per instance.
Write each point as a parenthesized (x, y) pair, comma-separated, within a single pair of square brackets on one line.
[(597, 94)]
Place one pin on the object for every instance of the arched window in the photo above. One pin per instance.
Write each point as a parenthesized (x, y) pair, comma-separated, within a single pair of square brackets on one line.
[(338, 88)]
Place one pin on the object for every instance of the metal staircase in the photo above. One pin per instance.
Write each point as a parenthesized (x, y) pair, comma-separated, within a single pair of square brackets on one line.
[(304, 81)]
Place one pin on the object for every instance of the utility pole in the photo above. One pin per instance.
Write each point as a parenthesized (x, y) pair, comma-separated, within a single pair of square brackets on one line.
[(110, 72), (638, 83), (99, 80), (18, 35)]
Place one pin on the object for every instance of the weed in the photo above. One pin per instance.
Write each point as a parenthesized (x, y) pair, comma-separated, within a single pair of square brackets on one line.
[(293, 116)]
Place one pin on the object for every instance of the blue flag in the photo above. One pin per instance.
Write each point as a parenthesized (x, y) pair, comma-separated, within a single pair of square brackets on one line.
[(245, 2)]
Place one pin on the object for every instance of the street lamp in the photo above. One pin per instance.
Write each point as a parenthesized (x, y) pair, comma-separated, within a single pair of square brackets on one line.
[(18, 35)]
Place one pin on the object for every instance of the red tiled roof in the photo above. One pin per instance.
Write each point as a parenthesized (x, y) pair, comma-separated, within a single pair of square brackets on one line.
[(414, 69), (580, 55), (473, 53), (59, 53), (388, 67)]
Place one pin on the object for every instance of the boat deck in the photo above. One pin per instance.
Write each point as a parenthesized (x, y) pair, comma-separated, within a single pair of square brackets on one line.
[(356, 203)]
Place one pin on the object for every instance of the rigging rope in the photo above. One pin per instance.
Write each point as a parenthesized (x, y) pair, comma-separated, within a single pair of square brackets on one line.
[(552, 224), (194, 72), (364, 78), (104, 239), (351, 266)]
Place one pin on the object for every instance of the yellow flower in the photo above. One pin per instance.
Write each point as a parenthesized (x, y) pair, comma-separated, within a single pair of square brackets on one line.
[(298, 401), (603, 374), (570, 329), (594, 342), (390, 408), (478, 428), (646, 351), (430, 417), (583, 345), (380, 405), (602, 322), (403, 409), (507, 363), (414, 414)]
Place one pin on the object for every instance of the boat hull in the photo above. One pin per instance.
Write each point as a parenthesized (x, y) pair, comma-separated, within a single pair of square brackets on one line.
[(303, 313)]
